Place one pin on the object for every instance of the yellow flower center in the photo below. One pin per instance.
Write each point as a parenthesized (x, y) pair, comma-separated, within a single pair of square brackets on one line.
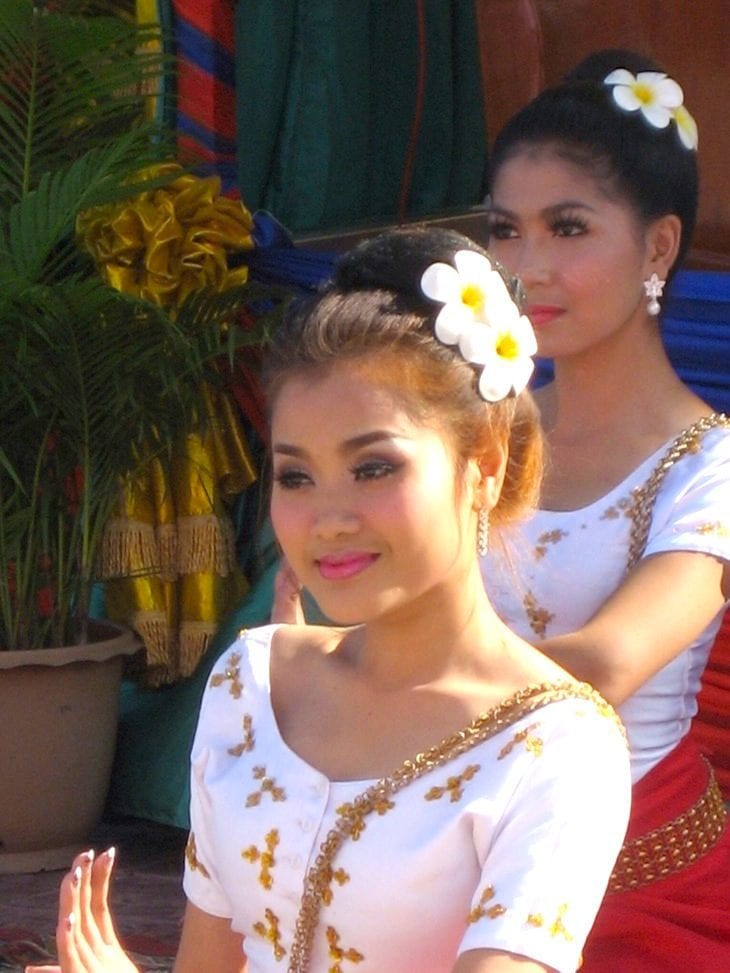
[(508, 347), (472, 296), (644, 92)]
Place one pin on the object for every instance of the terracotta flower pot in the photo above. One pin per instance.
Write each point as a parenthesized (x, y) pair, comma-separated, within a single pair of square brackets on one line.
[(58, 713)]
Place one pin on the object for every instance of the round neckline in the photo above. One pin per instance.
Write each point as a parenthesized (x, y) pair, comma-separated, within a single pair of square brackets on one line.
[(620, 487)]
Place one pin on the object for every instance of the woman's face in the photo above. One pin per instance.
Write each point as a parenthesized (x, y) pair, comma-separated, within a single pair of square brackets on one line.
[(365, 501), (580, 253)]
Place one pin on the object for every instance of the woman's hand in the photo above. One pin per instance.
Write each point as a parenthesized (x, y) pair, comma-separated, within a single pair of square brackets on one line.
[(287, 605), (85, 935)]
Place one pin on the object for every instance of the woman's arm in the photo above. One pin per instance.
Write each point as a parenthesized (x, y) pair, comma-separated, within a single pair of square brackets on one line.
[(665, 603), (495, 961), (209, 943)]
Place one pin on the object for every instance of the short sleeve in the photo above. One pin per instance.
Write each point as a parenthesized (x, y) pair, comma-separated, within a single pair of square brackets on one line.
[(546, 869), (692, 508), (218, 713)]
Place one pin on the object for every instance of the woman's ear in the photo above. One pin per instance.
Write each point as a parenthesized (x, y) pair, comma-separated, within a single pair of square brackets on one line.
[(492, 467), (663, 239)]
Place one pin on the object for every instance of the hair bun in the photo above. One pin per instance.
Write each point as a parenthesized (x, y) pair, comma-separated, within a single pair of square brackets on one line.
[(396, 261), (598, 65)]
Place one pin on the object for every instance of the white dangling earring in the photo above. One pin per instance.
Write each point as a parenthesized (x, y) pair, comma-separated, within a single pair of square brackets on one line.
[(654, 288), (482, 531)]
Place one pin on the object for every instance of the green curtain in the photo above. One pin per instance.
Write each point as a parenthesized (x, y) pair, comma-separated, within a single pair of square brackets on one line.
[(326, 92)]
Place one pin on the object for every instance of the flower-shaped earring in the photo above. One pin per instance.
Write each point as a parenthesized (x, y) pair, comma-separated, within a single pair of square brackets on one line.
[(654, 288)]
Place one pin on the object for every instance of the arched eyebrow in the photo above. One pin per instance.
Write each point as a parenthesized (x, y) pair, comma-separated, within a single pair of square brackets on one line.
[(348, 446), (547, 213)]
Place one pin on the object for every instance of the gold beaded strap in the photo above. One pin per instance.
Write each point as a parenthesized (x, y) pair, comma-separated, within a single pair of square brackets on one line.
[(642, 506), (674, 845), (378, 797)]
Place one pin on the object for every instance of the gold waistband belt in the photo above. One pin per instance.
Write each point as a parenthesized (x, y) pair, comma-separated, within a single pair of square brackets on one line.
[(674, 845)]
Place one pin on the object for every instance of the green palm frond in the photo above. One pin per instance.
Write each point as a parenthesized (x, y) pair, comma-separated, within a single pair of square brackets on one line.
[(67, 85)]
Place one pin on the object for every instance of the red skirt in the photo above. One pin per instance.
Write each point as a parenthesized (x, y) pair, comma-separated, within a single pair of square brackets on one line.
[(679, 923)]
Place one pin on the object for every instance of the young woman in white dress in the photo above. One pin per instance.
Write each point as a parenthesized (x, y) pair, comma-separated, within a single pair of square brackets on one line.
[(622, 575), (413, 789)]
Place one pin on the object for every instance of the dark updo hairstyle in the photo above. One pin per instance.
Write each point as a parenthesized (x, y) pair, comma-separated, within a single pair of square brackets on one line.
[(648, 167), (372, 313)]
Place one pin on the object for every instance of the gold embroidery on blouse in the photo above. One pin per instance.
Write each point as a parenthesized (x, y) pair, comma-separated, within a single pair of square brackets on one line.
[(539, 618), (548, 537), (350, 816), (453, 786), (536, 920), (230, 674), (191, 855), (558, 927), (340, 876), (268, 786), (355, 813), (270, 932), (533, 744), (267, 859), (482, 912), (249, 738), (622, 506), (337, 953), (717, 528)]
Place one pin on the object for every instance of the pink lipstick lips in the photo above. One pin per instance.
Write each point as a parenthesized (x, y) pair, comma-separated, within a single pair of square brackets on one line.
[(337, 567), (542, 314)]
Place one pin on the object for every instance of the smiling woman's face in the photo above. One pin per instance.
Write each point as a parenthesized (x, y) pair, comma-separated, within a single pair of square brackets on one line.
[(365, 501), (581, 253)]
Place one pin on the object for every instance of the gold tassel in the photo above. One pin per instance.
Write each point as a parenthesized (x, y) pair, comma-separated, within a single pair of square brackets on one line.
[(206, 545), (194, 640), (128, 548)]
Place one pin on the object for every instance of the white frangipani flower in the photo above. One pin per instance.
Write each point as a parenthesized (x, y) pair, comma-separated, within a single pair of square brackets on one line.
[(480, 316), (651, 92)]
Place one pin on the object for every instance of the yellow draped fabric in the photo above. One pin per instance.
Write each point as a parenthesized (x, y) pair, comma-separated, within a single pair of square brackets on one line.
[(169, 552)]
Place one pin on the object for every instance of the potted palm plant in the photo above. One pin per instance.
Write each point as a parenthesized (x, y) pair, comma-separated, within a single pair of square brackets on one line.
[(94, 383)]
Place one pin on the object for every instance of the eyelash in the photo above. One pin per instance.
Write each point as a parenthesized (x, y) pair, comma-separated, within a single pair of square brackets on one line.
[(369, 470), (503, 230)]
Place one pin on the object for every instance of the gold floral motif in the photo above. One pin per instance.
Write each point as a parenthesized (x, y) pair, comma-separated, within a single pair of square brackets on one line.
[(548, 537), (539, 618), (340, 876), (536, 920), (249, 738), (230, 674), (337, 953), (454, 785), (482, 911), (533, 744), (715, 528), (270, 931), (267, 859), (356, 811), (558, 927), (621, 507), (268, 786), (191, 855)]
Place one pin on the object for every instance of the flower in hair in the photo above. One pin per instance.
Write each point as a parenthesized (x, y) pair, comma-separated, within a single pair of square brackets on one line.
[(687, 127), (480, 316), (658, 97)]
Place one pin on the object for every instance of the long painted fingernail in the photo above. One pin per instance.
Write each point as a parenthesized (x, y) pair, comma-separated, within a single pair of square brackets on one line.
[(87, 857), (111, 854), (76, 875), (70, 920)]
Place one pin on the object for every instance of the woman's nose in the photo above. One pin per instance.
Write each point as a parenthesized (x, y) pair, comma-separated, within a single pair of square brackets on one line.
[(335, 520), (530, 262)]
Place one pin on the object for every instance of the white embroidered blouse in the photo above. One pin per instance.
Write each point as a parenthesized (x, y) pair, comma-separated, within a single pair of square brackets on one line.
[(550, 574), (508, 845)]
